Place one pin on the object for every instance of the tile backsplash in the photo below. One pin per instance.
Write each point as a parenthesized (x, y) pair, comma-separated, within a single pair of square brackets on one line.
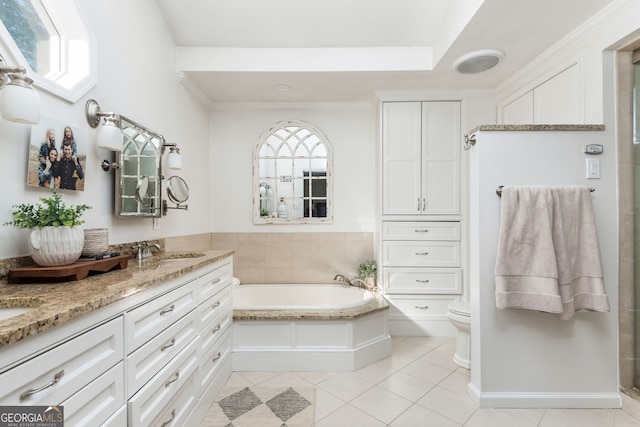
[(295, 257)]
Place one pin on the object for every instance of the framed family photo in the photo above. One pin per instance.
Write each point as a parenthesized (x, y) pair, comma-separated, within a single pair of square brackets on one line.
[(56, 156)]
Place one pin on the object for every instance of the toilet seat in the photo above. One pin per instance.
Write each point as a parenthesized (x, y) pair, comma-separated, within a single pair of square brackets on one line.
[(459, 308)]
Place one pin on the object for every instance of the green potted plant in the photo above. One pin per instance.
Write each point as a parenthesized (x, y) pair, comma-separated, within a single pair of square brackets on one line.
[(367, 270), (55, 233)]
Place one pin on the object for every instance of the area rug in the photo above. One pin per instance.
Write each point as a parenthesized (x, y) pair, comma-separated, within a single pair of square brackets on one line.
[(263, 407)]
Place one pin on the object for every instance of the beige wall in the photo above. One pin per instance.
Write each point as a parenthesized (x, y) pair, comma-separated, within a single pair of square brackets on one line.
[(295, 257)]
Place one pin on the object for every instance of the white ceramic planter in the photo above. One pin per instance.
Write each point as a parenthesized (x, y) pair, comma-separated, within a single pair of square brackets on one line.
[(52, 246)]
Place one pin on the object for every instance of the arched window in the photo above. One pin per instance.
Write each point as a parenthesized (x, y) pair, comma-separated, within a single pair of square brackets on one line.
[(292, 175)]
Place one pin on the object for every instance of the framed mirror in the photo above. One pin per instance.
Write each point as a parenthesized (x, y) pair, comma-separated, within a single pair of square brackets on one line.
[(292, 178), (139, 178)]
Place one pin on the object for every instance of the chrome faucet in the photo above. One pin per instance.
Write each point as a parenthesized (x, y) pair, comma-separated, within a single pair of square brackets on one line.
[(144, 249), (359, 283)]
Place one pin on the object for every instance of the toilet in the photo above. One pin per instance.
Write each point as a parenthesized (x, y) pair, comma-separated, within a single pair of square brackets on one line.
[(459, 314)]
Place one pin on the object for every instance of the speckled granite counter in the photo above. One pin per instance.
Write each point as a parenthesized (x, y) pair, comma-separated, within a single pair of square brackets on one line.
[(499, 128), (379, 303), (57, 303)]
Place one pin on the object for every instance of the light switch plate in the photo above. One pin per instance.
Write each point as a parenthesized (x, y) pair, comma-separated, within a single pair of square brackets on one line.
[(593, 168)]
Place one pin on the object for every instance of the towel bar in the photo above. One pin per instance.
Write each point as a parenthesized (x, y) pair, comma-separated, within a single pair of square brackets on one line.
[(499, 190)]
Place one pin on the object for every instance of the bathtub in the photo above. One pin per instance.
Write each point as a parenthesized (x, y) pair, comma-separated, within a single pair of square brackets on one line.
[(308, 327)]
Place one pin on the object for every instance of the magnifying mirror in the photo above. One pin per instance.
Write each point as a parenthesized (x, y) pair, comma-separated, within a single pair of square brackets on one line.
[(141, 190), (177, 190)]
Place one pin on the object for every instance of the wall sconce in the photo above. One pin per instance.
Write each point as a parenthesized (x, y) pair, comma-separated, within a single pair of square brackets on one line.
[(109, 135), (174, 158), (20, 101)]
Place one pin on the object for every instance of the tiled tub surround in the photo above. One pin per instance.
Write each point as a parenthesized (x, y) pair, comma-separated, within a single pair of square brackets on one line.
[(295, 257)]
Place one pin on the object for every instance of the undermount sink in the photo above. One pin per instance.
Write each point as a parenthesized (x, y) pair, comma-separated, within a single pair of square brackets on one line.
[(12, 307)]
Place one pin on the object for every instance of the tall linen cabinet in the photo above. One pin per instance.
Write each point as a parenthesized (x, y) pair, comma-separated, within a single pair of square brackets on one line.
[(420, 227)]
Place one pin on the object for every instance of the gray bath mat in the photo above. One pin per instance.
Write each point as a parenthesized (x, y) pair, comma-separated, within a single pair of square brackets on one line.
[(262, 407)]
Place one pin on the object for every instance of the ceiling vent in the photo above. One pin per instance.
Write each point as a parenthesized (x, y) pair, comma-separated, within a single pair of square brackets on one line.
[(478, 61)]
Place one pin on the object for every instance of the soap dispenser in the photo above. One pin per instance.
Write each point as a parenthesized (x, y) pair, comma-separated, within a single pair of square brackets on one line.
[(282, 208)]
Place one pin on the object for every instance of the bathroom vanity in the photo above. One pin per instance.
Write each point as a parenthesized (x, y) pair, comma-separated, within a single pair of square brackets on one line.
[(142, 346)]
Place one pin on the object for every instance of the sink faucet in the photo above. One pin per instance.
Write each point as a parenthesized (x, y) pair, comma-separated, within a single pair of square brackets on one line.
[(144, 249)]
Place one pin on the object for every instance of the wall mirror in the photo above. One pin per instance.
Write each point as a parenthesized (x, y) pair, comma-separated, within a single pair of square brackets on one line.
[(139, 177), (177, 192), (292, 178)]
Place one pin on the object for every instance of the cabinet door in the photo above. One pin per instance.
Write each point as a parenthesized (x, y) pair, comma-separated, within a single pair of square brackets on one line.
[(402, 158), (441, 153)]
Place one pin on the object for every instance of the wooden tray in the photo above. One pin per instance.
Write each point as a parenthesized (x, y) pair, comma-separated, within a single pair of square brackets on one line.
[(76, 271)]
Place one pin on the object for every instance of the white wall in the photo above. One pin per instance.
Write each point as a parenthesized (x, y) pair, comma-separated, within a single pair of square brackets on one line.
[(136, 78), (350, 130), (526, 358)]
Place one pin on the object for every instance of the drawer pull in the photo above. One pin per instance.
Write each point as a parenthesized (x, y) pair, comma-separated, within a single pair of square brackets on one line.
[(168, 310), (422, 253), (216, 329), (33, 391), (172, 380), (170, 420), (424, 307), (216, 281), (422, 280), (218, 356), (216, 304), (418, 204), (424, 204), (171, 344), (424, 230)]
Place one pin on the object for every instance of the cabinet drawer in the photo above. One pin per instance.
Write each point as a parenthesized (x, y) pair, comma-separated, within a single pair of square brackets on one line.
[(422, 280), (143, 363), (211, 332), (94, 404), (76, 363), (213, 307), (213, 359), (152, 400), (408, 307), (421, 254), (146, 321), (211, 283), (421, 230)]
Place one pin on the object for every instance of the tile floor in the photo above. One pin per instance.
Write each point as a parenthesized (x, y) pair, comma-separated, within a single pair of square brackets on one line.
[(419, 385)]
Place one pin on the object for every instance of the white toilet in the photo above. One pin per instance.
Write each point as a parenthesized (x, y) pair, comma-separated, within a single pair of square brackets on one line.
[(459, 314)]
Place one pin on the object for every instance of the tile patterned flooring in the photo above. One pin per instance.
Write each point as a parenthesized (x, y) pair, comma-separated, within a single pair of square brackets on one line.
[(420, 386)]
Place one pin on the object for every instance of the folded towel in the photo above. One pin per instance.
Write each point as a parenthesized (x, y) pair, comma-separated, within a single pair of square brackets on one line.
[(548, 255)]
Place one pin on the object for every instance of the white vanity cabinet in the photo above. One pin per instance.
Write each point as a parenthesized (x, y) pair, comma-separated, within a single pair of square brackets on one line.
[(420, 244), (84, 374), (421, 158)]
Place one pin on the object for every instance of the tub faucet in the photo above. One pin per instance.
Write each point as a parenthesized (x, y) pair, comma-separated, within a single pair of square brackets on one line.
[(342, 279), (359, 283)]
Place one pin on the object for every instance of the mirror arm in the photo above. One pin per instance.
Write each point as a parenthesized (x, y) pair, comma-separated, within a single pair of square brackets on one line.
[(166, 207)]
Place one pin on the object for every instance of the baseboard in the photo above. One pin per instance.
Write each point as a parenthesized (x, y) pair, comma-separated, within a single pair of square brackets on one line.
[(544, 400)]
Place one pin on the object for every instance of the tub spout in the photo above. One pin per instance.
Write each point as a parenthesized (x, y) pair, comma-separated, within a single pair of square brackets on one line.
[(359, 283), (342, 278)]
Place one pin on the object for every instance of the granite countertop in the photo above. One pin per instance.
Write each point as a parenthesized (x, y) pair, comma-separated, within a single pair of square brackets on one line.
[(535, 128), (379, 303), (57, 303)]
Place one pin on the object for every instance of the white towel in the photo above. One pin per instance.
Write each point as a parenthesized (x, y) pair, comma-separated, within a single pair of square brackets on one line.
[(548, 255)]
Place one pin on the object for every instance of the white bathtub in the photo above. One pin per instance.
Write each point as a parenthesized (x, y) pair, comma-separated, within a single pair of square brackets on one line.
[(308, 327), (299, 297)]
